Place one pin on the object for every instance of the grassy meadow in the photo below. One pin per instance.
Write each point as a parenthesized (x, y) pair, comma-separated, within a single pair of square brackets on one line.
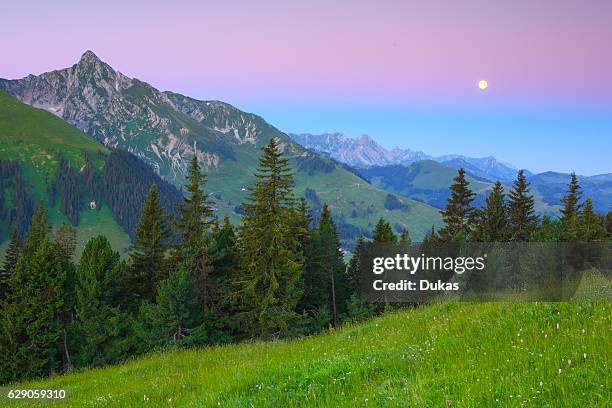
[(445, 354)]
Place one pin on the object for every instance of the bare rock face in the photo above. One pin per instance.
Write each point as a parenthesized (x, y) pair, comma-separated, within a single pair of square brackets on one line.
[(165, 129), (362, 151)]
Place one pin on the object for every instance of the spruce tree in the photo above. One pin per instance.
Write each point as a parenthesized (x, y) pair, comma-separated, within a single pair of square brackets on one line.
[(459, 213), (522, 220), (570, 212), (405, 237), (357, 309), (38, 232), (149, 264), (269, 280), (609, 223), (383, 233), (172, 318), (332, 260), (225, 261), (494, 221), (591, 227), (571, 206), (192, 228), (353, 271), (38, 298), (10, 260), (100, 325), (316, 293)]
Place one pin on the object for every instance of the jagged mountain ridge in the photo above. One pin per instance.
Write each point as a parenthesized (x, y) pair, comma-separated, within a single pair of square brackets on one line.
[(166, 129), (363, 151)]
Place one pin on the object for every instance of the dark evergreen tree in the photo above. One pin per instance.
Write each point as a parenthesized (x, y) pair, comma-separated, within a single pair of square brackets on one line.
[(192, 227), (316, 290), (149, 264), (269, 281), (357, 309), (332, 260), (405, 237), (353, 271), (100, 328), (34, 318), (39, 231), (591, 226), (493, 221), (549, 230), (225, 261), (175, 318), (571, 206), (383, 233), (609, 223), (522, 220), (10, 260), (459, 214)]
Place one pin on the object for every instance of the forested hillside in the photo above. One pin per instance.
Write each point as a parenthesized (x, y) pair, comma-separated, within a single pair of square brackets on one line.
[(82, 183)]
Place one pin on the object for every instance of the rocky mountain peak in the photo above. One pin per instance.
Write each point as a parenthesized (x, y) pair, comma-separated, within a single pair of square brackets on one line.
[(89, 57)]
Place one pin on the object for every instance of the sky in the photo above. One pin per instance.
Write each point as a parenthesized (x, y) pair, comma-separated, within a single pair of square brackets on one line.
[(404, 72)]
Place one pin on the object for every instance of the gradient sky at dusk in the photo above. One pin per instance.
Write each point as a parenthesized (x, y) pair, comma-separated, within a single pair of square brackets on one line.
[(404, 72)]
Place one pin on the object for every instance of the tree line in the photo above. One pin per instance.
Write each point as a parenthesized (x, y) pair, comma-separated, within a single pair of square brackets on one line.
[(512, 217), (192, 280)]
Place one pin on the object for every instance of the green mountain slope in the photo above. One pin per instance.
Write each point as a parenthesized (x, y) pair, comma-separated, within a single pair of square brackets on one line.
[(44, 158), (165, 130), (452, 354), (427, 181), (33, 138)]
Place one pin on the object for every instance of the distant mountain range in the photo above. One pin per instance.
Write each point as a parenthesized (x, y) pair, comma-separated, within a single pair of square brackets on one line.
[(363, 151), (428, 181), (166, 129)]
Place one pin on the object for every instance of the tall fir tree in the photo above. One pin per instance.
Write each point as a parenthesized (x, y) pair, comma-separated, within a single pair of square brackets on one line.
[(149, 264), (522, 220), (591, 226), (34, 316), (609, 223), (314, 277), (10, 260), (100, 326), (39, 231), (332, 261), (571, 206), (405, 237), (493, 222), (459, 214), (192, 227), (383, 233), (269, 281)]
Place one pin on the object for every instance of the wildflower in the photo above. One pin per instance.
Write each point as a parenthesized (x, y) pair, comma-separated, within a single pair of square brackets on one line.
[(569, 362), (560, 371), (584, 355), (146, 397)]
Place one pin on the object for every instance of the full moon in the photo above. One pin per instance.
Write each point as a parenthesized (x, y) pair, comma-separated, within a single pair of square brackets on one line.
[(482, 84)]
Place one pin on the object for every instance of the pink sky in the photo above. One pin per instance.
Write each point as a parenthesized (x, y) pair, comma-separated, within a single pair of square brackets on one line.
[(404, 72), (343, 49)]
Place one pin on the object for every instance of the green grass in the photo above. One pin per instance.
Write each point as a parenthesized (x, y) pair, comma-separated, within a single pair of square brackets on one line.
[(457, 354)]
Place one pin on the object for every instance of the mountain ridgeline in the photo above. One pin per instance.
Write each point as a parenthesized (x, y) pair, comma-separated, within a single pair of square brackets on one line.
[(166, 130), (364, 152)]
